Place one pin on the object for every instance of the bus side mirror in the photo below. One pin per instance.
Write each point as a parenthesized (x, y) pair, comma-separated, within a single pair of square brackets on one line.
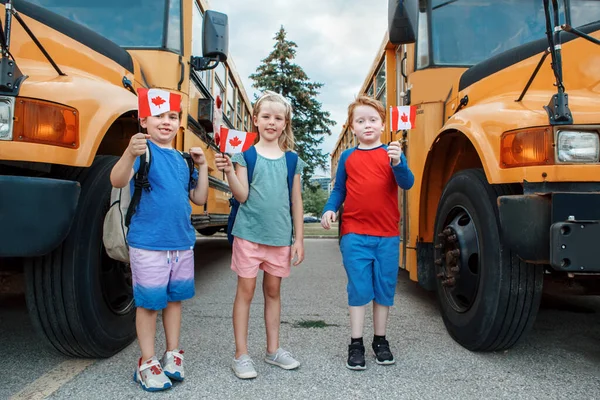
[(215, 41), (402, 20)]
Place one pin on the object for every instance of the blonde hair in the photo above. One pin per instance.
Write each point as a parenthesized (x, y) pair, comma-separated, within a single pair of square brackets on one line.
[(365, 101), (286, 140)]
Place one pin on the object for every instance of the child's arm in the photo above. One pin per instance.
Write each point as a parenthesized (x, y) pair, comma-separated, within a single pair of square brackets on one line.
[(298, 220), (237, 178), (337, 196), (122, 171), (404, 176), (199, 194)]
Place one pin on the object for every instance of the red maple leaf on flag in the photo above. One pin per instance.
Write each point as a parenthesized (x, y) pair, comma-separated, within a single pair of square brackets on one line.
[(404, 117), (158, 101), (235, 141)]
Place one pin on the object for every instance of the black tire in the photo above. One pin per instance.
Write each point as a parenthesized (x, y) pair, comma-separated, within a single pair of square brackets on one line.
[(208, 231), (79, 300), (488, 297)]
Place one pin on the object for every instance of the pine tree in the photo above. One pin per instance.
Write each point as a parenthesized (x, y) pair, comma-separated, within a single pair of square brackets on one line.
[(310, 123)]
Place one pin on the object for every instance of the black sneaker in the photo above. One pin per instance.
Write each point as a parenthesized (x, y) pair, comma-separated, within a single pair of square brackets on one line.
[(356, 357), (383, 355)]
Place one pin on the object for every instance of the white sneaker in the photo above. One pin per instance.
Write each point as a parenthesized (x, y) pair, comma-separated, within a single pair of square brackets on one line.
[(150, 376), (283, 359), (243, 367), (172, 363)]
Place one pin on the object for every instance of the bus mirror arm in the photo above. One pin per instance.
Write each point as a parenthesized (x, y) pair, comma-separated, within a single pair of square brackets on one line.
[(558, 108), (203, 63), (570, 29)]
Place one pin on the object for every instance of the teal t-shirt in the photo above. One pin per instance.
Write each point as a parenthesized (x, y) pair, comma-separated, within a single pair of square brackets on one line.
[(265, 216)]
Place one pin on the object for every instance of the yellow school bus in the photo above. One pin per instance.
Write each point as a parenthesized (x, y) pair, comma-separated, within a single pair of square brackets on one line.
[(68, 107), (505, 154)]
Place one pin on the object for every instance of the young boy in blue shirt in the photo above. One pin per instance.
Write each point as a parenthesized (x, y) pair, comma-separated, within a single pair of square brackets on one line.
[(161, 237)]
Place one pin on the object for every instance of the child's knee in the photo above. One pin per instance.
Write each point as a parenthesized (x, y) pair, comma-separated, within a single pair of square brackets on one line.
[(246, 289), (272, 291)]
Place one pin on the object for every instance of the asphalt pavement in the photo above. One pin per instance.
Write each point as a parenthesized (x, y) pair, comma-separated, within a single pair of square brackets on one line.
[(559, 359)]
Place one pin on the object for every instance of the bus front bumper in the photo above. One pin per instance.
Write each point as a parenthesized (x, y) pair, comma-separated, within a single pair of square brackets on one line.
[(559, 229), (35, 214)]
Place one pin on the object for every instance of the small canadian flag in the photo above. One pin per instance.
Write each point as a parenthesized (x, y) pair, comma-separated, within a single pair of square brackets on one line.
[(156, 102), (232, 141), (402, 117)]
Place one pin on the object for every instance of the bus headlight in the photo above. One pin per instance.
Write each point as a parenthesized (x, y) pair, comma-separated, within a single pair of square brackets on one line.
[(6, 117), (577, 146)]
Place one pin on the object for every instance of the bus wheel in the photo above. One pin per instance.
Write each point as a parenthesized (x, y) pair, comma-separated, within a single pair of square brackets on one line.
[(488, 297), (208, 231), (80, 300)]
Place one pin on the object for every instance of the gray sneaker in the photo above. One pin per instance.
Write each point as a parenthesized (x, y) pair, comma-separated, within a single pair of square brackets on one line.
[(243, 367), (282, 359)]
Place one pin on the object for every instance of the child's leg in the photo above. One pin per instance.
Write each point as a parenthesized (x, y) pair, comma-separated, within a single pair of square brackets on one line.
[(172, 324), (385, 273), (380, 316), (271, 291), (357, 321), (145, 325), (241, 313)]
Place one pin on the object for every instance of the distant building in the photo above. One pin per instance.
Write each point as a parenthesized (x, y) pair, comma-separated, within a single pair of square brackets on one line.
[(323, 181)]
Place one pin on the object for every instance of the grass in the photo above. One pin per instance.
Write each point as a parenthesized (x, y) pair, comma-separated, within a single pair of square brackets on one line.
[(312, 324), (316, 230)]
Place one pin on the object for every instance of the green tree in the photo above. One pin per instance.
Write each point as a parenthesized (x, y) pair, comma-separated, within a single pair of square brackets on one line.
[(314, 199), (310, 123)]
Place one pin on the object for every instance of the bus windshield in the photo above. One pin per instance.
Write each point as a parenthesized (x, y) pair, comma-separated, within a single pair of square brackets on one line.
[(128, 23), (465, 32)]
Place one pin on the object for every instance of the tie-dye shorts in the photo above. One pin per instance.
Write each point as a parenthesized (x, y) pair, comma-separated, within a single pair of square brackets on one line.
[(161, 276)]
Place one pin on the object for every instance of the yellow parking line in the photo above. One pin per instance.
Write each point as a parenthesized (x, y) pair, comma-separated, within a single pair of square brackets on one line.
[(51, 381)]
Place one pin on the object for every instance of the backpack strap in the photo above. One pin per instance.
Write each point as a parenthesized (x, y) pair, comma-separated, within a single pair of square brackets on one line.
[(190, 162), (140, 182), (250, 158), (291, 160)]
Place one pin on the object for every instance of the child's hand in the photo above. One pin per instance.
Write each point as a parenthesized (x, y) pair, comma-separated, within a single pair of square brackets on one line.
[(327, 219), (197, 155), (138, 144), (298, 252), (394, 152), (223, 162)]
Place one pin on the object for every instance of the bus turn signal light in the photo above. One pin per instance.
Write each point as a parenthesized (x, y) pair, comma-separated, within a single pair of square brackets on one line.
[(532, 146), (44, 122)]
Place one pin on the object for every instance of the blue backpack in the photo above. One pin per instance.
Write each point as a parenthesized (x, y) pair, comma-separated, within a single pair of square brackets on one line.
[(291, 160)]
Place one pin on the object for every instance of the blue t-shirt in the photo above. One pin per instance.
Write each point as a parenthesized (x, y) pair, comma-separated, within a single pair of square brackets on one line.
[(162, 218)]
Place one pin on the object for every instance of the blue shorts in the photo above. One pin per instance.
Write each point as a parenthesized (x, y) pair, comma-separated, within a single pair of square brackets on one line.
[(371, 264), (161, 276)]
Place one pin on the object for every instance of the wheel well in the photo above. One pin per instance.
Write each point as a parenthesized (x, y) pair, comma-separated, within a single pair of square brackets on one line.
[(118, 135), (450, 153)]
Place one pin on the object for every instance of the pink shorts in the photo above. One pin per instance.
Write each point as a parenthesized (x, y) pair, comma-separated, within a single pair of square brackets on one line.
[(248, 257)]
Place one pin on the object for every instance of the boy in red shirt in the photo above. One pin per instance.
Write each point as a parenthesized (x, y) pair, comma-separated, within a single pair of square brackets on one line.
[(367, 181)]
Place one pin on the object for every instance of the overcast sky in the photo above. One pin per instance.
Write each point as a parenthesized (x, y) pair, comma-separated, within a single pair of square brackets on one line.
[(337, 42)]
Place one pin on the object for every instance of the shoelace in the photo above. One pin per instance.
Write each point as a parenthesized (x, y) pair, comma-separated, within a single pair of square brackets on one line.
[(283, 354), (245, 362)]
